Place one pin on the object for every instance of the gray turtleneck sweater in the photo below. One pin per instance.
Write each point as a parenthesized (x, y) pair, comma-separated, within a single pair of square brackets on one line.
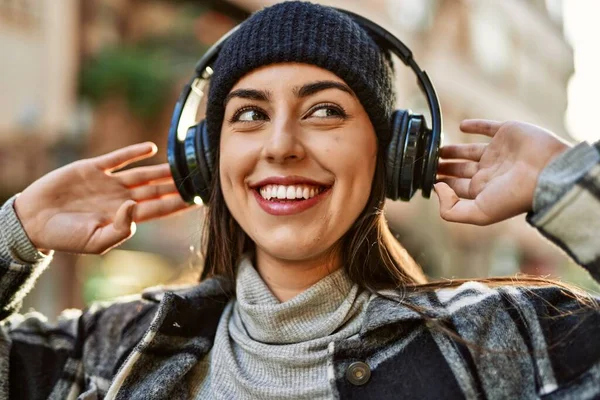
[(265, 349)]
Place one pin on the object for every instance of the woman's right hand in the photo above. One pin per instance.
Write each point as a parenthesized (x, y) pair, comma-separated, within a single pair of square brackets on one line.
[(87, 207), (485, 183)]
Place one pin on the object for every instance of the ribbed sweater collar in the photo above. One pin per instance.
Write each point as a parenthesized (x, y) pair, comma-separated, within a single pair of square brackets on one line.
[(317, 312)]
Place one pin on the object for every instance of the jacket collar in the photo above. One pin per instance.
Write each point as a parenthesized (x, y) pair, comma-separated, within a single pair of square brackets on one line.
[(385, 307), (218, 286), (392, 307)]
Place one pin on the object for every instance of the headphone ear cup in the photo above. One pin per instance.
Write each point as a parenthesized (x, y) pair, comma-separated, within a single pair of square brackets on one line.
[(199, 154), (177, 158), (394, 152), (412, 160), (430, 157), (419, 159), (208, 153)]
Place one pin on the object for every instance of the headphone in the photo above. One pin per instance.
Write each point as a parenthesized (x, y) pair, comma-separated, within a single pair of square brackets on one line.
[(412, 154)]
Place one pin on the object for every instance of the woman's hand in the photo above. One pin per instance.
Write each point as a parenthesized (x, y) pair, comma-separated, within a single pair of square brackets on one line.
[(482, 183), (87, 207)]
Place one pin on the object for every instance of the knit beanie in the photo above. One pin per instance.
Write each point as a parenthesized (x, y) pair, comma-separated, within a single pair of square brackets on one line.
[(303, 32)]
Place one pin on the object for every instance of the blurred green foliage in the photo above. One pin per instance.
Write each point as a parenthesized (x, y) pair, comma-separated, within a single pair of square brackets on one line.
[(144, 72), (142, 78)]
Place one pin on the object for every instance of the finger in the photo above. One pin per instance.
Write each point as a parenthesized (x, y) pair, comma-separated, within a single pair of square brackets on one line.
[(482, 126), (116, 233), (471, 152), (157, 208), (148, 192), (455, 209), (462, 169), (127, 155), (461, 186), (141, 175)]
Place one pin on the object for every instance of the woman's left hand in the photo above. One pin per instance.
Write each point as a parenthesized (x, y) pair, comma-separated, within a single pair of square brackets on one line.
[(484, 183)]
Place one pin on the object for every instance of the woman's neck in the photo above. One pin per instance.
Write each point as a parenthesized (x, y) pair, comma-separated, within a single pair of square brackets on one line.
[(288, 278)]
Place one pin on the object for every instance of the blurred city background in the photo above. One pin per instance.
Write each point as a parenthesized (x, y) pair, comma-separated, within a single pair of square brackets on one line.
[(79, 78)]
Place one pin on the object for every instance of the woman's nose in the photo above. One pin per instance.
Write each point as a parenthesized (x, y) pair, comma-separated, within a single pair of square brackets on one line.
[(283, 144)]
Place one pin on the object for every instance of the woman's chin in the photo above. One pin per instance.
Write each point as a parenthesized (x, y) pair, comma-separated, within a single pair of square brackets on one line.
[(292, 250)]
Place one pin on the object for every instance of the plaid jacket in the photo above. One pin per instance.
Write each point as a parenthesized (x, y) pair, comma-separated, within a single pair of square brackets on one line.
[(526, 343)]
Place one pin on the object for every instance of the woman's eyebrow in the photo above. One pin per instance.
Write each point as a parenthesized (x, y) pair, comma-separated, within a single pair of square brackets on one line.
[(314, 87), (251, 94)]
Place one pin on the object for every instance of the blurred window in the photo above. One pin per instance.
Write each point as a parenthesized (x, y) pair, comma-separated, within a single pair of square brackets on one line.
[(555, 11), (490, 40), (412, 15)]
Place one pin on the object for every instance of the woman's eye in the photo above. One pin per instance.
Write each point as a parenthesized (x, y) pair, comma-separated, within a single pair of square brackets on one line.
[(250, 116), (328, 112)]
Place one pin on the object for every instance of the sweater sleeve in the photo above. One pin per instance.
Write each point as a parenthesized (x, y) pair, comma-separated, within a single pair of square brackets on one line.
[(20, 262), (566, 205), (28, 344), (76, 355)]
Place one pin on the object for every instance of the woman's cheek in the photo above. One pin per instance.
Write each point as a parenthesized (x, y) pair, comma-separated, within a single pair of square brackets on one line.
[(231, 173), (356, 167)]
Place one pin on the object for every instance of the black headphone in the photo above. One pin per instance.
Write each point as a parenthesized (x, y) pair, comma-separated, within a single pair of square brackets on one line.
[(412, 154)]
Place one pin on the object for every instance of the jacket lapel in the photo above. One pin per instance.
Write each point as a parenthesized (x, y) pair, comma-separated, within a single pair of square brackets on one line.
[(181, 333)]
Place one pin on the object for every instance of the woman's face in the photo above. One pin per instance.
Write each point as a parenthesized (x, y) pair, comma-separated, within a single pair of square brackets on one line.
[(297, 158)]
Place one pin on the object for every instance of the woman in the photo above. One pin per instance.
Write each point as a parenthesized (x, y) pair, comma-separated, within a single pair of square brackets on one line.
[(308, 295)]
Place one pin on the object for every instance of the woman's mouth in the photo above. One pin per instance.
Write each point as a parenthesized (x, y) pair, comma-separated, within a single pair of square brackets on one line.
[(289, 199)]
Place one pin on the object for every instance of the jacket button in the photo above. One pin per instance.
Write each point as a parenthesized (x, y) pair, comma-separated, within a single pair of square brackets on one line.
[(358, 373)]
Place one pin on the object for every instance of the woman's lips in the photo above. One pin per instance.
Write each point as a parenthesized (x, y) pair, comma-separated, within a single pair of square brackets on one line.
[(289, 207)]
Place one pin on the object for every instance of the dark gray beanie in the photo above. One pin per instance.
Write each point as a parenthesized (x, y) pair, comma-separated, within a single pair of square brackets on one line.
[(307, 33)]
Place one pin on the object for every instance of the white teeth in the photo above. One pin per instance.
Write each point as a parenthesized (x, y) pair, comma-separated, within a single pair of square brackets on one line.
[(291, 192), (281, 192)]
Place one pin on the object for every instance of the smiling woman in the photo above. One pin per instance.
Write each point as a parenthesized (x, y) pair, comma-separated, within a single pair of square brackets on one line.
[(304, 292), (308, 135)]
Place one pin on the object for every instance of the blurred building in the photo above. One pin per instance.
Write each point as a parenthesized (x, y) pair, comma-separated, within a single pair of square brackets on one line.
[(81, 78), (38, 41)]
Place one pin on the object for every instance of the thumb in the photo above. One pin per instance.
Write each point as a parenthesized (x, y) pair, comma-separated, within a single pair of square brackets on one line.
[(119, 231), (455, 209), (447, 198), (124, 218)]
